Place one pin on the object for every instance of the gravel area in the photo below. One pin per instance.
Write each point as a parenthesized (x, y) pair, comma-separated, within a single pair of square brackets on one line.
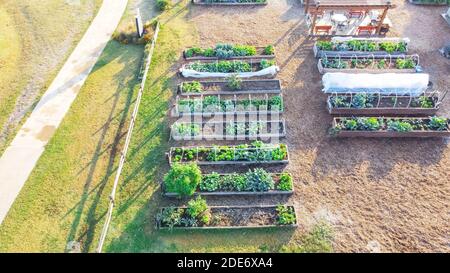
[(380, 195)]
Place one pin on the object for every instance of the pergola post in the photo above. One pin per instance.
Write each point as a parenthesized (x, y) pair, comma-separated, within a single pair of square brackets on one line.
[(383, 16), (313, 24), (306, 6)]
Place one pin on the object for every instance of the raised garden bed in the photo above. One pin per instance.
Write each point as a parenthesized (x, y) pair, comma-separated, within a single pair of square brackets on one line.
[(406, 64), (222, 130), (222, 87), (228, 217), (209, 105), (230, 2), (390, 127), (255, 182), (350, 47), (229, 52), (377, 105), (244, 154), (226, 69)]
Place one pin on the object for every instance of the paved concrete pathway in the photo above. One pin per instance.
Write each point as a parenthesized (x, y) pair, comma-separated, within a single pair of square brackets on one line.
[(21, 156)]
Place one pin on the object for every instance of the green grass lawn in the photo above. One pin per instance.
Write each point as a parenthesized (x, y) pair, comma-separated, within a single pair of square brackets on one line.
[(66, 197), (36, 36)]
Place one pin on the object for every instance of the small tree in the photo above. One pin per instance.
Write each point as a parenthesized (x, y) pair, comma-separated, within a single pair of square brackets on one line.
[(183, 179)]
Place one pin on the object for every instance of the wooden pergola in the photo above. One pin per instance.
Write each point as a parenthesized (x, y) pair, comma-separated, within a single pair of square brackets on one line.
[(317, 6)]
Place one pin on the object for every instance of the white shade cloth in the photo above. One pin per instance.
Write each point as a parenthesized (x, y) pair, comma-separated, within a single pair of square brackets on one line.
[(387, 83)]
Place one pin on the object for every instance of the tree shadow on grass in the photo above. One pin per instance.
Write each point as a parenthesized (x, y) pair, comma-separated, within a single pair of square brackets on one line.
[(89, 211)]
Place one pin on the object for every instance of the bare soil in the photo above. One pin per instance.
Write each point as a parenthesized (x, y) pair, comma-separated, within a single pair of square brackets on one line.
[(391, 192)]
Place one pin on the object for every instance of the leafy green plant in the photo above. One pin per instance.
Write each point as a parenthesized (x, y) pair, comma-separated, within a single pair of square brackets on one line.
[(198, 209), (407, 63), (269, 50), (244, 50), (234, 182), (285, 182), (362, 100), (186, 129), (210, 182), (325, 45), (259, 180), (183, 179), (279, 153), (285, 215), (170, 217), (266, 63), (192, 87), (369, 124), (389, 47), (350, 124), (438, 124), (339, 102), (234, 82), (426, 102), (399, 126)]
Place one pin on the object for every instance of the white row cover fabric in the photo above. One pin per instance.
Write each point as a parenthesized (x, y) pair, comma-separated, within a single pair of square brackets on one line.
[(387, 83), (345, 39), (272, 70)]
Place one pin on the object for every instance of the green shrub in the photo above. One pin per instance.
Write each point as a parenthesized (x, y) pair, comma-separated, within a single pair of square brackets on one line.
[(285, 183), (198, 209), (162, 4), (234, 82), (183, 179), (285, 215)]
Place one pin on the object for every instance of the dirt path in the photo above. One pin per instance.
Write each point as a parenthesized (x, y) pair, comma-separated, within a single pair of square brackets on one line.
[(380, 195), (20, 157)]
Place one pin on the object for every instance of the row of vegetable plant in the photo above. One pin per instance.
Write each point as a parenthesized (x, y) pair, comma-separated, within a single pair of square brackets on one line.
[(187, 180), (230, 66), (233, 84), (222, 130), (377, 104), (220, 104), (406, 64), (390, 127), (229, 51), (363, 45), (255, 153)]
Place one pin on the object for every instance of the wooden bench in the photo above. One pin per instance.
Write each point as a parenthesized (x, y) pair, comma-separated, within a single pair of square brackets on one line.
[(322, 30), (366, 30)]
